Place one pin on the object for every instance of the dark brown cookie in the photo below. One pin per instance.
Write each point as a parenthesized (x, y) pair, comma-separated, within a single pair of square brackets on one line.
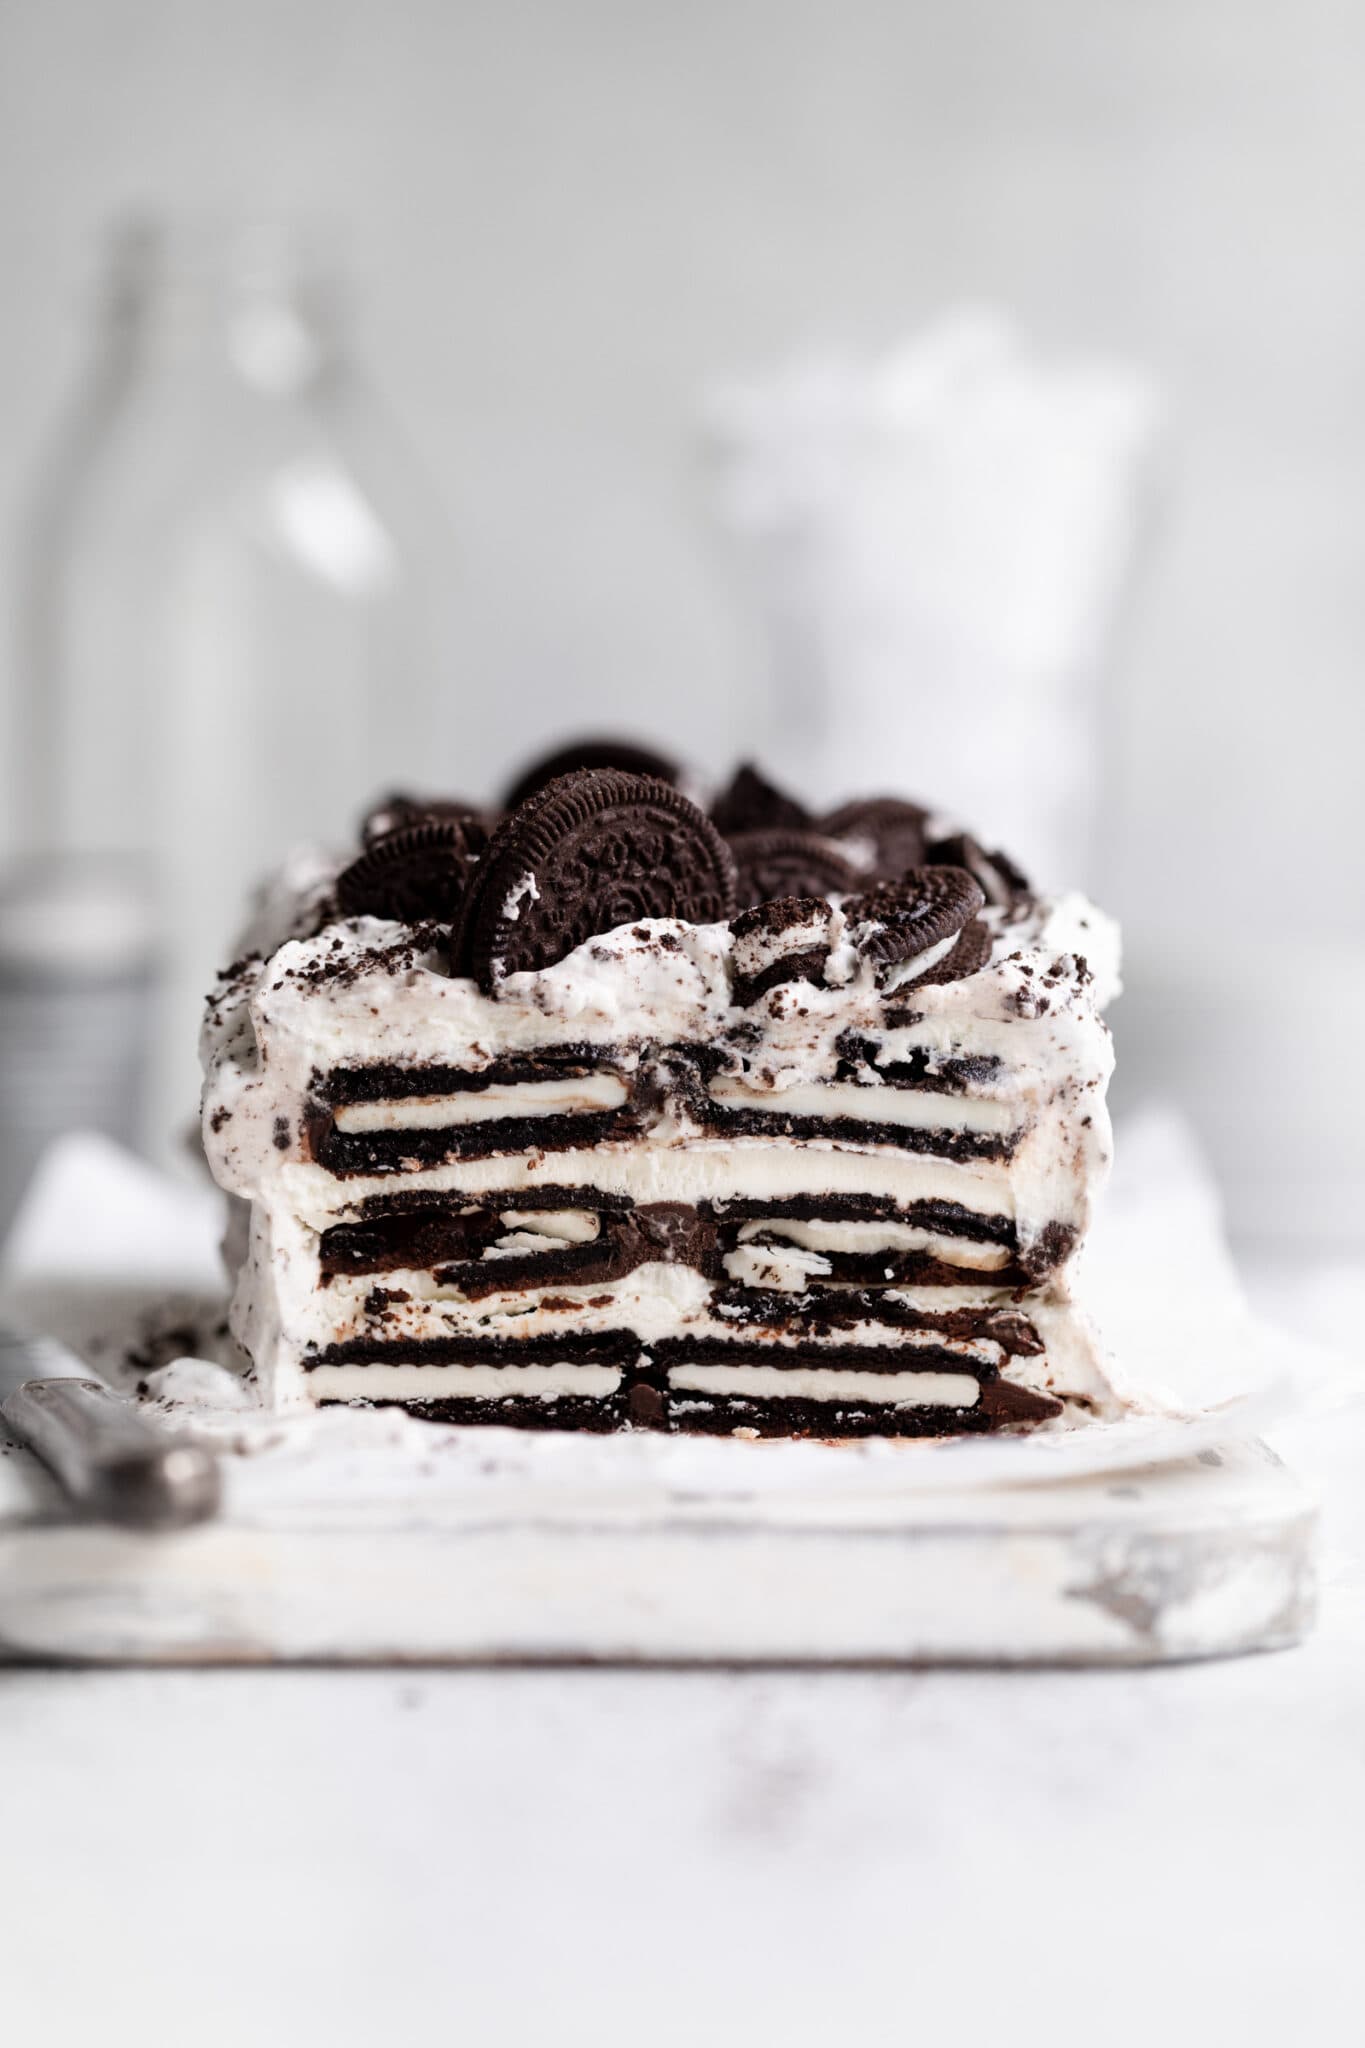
[(750, 803), (972, 951), (595, 850), (900, 920), (774, 943), (417, 872), (789, 863), (626, 756), (399, 809), (888, 832), (1001, 881)]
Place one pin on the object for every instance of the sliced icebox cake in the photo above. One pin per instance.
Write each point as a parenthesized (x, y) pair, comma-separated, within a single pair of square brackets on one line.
[(605, 1112)]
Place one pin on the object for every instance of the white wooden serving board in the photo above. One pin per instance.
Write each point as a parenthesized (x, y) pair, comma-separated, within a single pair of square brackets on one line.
[(1209, 1556)]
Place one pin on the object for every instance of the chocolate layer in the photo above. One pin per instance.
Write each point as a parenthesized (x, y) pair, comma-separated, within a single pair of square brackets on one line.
[(454, 1243), (791, 1354), (569, 1411), (351, 1154), (624, 1348), (951, 1219), (431, 1201), (842, 1308), (894, 1268), (642, 1404), (921, 1069), (937, 1144), (827, 1421), (575, 1347), (385, 1081)]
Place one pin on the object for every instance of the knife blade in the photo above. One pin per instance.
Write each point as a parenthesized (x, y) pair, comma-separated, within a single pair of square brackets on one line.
[(112, 1460)]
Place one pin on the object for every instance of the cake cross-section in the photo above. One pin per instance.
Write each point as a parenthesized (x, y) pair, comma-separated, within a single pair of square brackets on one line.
[(614, 1137)]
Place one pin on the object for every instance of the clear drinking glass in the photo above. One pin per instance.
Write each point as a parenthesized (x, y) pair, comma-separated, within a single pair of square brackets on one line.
[(227, 634), (938, 544)]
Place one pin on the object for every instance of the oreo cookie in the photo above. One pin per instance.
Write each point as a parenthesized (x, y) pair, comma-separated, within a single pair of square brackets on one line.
[(626, 756), (750, 803), (1001, 881), (972, 951), (399, 809), (592, 851), (418, 872), (896, 923), (789, 863), (774, 943), (884, 834)]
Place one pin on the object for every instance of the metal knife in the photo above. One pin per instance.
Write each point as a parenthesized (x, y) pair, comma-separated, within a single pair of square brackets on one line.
[(113, 1462)]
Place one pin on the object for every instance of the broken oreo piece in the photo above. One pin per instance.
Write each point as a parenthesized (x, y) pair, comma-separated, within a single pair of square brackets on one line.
[(1001, 881), (788, 863), (592, 851), (750, 803), (884, 835), (417, 872), (921, 915), (972, 951), (777, 942), (626, 756)]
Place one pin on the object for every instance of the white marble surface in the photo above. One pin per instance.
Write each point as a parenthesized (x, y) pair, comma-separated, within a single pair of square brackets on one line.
[(514, 1856)]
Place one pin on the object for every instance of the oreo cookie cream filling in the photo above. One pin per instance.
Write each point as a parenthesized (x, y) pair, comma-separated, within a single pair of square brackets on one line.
[(606, 1113)]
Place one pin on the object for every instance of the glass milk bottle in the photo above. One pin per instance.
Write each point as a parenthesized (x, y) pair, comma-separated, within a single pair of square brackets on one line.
[(227, 644)]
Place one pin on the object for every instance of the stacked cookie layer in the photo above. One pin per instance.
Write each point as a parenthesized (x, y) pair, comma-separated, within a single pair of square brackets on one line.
[(821, 1167)]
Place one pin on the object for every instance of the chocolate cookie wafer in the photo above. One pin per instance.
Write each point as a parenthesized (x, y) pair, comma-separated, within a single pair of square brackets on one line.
[(788, 863), (593, 851), (414, 872), (628, 757)]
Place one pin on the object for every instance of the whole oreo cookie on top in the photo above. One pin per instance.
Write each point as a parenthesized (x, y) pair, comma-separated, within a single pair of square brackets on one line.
[(900, 921), (414, 873), (628, 757), (789, 863), (1001, 881), (592, 851), (885, 835), (750, 803)]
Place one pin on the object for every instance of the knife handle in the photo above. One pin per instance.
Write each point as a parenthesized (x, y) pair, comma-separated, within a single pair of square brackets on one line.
[(117, 1465)]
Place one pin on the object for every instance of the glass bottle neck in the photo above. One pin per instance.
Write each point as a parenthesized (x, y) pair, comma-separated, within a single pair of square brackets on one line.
[(257, 303)]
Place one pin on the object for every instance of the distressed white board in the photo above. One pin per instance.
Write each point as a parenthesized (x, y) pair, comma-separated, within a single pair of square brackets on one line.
[(1209, 1556)]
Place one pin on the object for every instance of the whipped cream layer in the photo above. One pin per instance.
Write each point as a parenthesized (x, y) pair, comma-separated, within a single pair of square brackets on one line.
[(691, 1181)]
